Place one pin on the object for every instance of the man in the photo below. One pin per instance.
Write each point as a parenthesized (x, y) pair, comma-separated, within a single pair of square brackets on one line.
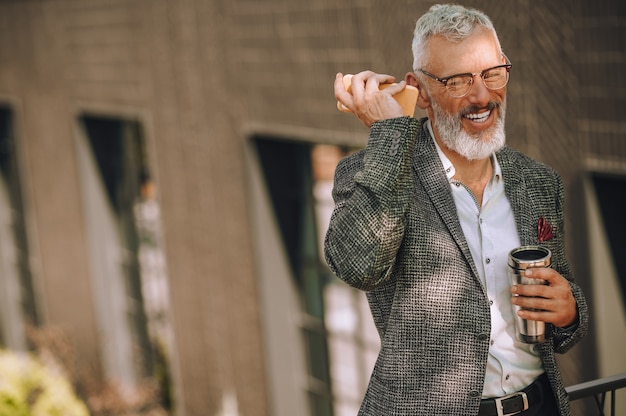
[(425, 217)]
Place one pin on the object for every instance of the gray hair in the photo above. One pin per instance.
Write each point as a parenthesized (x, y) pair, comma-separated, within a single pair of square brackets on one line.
[(452, 21)]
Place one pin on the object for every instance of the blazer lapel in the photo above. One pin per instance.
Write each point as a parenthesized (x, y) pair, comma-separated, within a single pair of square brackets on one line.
[(430, 173)]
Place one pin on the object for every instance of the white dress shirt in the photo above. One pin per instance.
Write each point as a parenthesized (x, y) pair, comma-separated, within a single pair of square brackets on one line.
[(491, 233)]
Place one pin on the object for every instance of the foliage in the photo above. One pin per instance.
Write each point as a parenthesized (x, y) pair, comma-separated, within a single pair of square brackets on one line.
[(39, 383), (28, 387)]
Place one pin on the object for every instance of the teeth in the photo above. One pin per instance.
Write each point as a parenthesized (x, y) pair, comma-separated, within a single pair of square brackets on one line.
[(479, 117)]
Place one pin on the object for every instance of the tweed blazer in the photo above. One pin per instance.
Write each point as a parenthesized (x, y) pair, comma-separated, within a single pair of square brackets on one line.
[(395, 234)]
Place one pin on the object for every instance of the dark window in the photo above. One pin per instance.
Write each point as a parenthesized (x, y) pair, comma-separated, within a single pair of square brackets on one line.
[(119, 151), (609, 190), (289, 178)]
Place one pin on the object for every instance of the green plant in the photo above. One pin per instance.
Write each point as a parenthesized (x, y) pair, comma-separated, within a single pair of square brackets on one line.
[(28, 387)]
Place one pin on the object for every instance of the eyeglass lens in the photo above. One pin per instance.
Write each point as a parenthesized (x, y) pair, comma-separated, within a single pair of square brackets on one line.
[(494, 78)]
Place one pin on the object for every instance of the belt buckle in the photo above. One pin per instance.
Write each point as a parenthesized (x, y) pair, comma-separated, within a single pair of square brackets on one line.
[(500, 407)]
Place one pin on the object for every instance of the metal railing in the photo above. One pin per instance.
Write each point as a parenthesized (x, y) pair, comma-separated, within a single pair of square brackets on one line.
[(598, 389)]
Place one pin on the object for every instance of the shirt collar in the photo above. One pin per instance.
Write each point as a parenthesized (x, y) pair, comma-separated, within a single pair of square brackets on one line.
[(449, 167)]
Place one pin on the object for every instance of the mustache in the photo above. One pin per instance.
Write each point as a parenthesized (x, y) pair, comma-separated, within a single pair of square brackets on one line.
[(473, 108)]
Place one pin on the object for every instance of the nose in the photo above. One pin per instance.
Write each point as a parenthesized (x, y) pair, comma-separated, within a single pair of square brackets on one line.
[(479, 94)]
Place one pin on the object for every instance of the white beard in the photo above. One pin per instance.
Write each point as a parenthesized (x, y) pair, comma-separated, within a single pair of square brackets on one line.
[(471, 146)]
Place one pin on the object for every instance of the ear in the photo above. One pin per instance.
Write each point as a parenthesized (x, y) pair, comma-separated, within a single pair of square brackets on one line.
[(423, 100)]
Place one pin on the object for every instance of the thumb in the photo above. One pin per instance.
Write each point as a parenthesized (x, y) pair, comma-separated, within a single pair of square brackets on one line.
[(393, 89)]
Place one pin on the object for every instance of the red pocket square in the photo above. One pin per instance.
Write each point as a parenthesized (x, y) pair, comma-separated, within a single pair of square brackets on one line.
[(544, 230)]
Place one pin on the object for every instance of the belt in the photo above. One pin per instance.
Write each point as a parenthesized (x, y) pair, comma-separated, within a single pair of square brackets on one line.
[(515, 403)]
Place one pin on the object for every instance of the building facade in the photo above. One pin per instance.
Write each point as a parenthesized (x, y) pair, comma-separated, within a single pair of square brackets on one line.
[(165, 177)]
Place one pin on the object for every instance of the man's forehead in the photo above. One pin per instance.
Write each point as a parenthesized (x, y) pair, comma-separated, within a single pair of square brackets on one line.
[(476, 52)]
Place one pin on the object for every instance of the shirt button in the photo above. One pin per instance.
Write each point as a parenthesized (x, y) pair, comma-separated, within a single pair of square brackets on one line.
[(491, 342), (490, 302), (508, 376), (488, 261)]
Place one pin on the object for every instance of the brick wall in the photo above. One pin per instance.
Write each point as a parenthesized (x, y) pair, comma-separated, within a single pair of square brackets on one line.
[(202, 77)]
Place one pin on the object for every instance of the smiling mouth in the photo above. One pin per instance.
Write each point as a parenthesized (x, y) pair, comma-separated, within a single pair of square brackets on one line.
[(479, 117)]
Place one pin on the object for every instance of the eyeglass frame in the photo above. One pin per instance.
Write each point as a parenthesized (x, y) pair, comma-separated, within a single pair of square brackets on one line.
[(445, 80)]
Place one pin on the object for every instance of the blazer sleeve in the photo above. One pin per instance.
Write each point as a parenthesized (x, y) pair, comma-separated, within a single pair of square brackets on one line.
[(566, 338), (372, 192)]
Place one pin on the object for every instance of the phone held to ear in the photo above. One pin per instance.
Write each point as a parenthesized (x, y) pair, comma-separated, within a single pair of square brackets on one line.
[(407, 98)]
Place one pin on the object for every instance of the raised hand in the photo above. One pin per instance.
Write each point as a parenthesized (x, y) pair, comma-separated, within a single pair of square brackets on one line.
[(365, 100)]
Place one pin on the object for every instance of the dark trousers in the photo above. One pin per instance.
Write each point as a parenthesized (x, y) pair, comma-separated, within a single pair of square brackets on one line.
[(547, 405), (540, 397)]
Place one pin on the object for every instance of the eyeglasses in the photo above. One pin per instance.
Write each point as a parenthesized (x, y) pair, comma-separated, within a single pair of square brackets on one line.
[(459, 85)]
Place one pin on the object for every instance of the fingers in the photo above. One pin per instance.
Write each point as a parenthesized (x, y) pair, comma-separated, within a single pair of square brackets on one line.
[(549, 275), (396, 88), (562, 317), (344, 98), (553, 302), (365, 99), (554, 283), (368, 82)]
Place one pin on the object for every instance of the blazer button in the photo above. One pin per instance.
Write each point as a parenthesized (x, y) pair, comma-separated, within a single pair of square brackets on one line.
[(396, 135), (393, 152), (483, 337), (474, 393)]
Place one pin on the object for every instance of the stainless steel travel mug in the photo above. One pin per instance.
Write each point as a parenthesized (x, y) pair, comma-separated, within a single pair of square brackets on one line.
[(520, 259)]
